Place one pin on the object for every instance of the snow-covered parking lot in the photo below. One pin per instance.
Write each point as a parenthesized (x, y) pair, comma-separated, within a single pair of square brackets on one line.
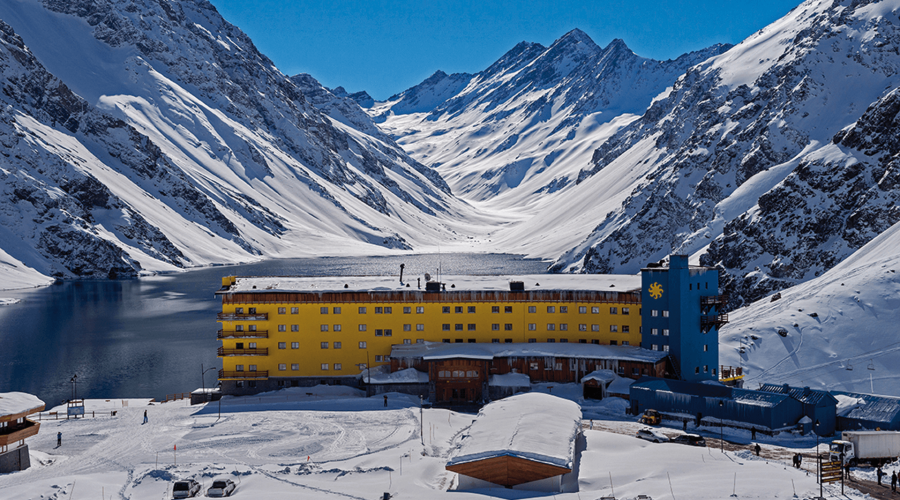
[(330, 442)]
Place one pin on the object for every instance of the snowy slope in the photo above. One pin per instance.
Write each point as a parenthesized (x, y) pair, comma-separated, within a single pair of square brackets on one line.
[(165, 139), (734, 131), (516, 135), (840, 327)]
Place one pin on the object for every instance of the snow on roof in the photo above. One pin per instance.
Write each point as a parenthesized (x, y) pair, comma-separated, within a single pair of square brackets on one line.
[(867, 406), (500, 283), (758, 398), (407, 376), (441, 350), (13, 403), (803, 394), (600, 376), (621, 385), (532, 426), (510, 380)]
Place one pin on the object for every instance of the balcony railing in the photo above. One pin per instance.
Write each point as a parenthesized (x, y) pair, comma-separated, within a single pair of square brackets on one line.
[(712, 300), (242, 317), (730, 373), (712, 320), (243, 334), (262, 351), (244, 375), (13, 434)]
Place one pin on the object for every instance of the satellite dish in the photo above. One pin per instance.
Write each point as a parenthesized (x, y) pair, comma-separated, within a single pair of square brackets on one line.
[(427, 277)]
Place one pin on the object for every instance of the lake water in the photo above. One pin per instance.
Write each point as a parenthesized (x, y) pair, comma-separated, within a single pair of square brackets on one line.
[(149, 337)]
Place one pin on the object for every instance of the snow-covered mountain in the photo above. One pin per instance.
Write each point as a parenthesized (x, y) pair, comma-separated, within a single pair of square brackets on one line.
[(764, 159), (524, 127), (152, 135), (838, 331)]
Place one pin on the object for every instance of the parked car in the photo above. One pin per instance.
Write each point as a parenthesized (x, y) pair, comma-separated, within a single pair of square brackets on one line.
[(221, 488), (651, 417), (185, 489), (689, 439), (652, 435)]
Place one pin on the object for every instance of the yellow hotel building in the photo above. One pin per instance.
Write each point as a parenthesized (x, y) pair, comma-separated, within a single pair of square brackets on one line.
[(301, 331)]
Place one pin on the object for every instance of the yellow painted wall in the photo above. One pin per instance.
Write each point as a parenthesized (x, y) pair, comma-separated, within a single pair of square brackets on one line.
[(310, 356)]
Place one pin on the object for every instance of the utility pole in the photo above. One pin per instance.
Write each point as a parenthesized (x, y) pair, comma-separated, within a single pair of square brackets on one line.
[(421, 420)]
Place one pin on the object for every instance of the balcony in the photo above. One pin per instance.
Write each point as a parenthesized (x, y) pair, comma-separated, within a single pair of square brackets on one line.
[(263, 351), (15, 433), (730, 373), (711, 321), (242, 317), (712, 301), (243, 334), (243, 375)]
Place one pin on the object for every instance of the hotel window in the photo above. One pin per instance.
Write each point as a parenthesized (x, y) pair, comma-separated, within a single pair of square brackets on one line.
[(337, 345), (595, 341), (665, 313), (420, 341), (614, 310), (362, 345), (713, 370), (635, 371), (595, 328), (282, 367), (666, 348), (665, 332), (458, 309), (407, 310), (337, 328), (563, 341), (654, 347), (295, 310), (388, 310), (252, 328), (533, 366), (336, 310), (622, 370), (507, 309), (471, 341), (471, 309), (564, 309), (582, 309), (379, 357), (445, 327), (626, 311), (614, 328), (532, 341), (252, 368), (626, 329), (445, 309), (582, 327), (282, 328), (495, 326), (388, 332), (420, 309), (295, 367), (551, 309), (595, 310), (252, 310), (557, 366), (420, 327), (238, 368), (654, 331), (582, 341), (323, 328), (495, 341), (705, 348), (379, 332), (323, 310), (282, 345), (532, 327), (507, 327), (507, 341), (471, 327), (239, 328), (377, 310), (337, 367), (295, 328), (407, 341), (446, 341), (324, 367), (564, 327), (323, 345), (551, 327), (362, 328), (295, 345), (252, 345), (625, 342), (407, 328), (239, 310), (458, 327), (282, 310), (654, 313), (696, 370), (495, 309), (532, 309), (362, 310)]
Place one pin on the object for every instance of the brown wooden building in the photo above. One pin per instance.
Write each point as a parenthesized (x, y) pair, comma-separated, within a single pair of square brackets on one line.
[(461, 373), (15, 427)]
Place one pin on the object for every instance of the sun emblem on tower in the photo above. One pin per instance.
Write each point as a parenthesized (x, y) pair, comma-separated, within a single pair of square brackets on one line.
[(656, 290)]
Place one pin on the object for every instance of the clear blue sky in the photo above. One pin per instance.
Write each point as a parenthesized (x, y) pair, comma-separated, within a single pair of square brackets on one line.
[(386, 47)]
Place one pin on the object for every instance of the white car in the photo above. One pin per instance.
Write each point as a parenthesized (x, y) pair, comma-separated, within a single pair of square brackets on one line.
[(185, 489), (221, 488), (652, 435)]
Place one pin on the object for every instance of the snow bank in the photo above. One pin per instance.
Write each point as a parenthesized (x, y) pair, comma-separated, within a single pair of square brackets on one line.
[(12, 403), (532, 426), (9, 302)]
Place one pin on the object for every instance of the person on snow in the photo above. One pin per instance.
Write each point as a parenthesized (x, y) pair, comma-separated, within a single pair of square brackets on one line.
[(757, 449), (799, 460), (58, 439), (385, 400), (879, 474), (145, 416), (794, 460), (893, 482)]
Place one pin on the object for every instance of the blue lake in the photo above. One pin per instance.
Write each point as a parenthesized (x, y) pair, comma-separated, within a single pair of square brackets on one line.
[(149, 337)]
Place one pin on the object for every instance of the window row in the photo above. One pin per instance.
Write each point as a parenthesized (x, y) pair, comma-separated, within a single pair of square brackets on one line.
[(447, 309), (655, 331), (655, 313), (532, 341), (655, 347)]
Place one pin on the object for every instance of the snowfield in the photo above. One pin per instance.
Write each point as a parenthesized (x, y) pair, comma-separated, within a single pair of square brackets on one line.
[(330, 442)]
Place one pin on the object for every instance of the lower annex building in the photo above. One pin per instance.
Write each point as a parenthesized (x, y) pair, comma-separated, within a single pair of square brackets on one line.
[(302, 331)]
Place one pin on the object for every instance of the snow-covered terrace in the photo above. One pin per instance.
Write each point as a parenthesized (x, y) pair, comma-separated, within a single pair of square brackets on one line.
[(532, 282), (429, 351), (18, 405)]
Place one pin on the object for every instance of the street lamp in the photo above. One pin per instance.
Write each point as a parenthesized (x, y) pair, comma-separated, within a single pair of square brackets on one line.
[(721, 425), (74, 381), (219, 386), (818, 459), (203, 380)]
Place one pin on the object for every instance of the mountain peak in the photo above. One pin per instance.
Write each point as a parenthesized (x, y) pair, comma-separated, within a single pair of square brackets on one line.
[(575, 36), (617, 44)]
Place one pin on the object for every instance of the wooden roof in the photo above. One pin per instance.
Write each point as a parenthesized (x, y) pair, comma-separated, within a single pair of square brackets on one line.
[(508, 470)]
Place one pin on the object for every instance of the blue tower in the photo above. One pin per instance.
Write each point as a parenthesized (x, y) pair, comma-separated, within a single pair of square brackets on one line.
[(681, 312)]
